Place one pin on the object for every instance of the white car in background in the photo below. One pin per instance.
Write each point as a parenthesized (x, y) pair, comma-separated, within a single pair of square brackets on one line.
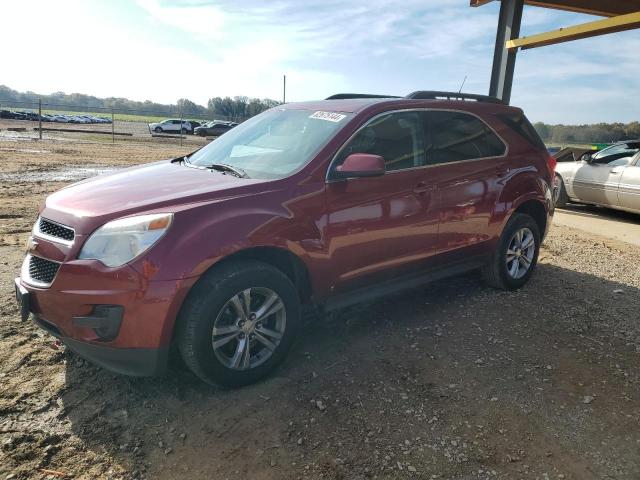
[(171, 125), (609, 178)]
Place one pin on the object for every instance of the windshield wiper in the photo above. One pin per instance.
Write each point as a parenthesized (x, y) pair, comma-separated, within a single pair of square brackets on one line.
[(223, 167)]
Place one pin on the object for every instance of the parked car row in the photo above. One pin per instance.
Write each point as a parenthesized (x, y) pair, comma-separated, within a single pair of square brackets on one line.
[(46, 117), (214, 128), (193, 127)]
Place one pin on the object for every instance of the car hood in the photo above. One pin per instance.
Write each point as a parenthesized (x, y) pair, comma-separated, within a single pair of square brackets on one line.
[(167, 186), (564, 168)]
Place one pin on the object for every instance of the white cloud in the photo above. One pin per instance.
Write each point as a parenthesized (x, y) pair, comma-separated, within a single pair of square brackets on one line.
[(160, 50), (205, 21)]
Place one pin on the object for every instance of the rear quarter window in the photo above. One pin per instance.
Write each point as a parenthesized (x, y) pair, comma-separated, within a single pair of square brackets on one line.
[(457, 136), (517, 122)]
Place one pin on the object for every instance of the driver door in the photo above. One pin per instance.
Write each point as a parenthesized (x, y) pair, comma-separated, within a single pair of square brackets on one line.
[(598, 180), (629, 192), (381, 227)]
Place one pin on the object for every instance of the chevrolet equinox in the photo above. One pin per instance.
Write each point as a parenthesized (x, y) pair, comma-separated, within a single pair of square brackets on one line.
[(318, 204)]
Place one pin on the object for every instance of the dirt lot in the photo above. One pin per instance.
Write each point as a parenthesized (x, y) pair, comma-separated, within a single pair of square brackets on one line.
[(449, 381)]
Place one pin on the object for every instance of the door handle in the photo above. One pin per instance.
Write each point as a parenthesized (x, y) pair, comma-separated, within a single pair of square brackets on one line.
[(502, 170), (422, 188), (616, 170)]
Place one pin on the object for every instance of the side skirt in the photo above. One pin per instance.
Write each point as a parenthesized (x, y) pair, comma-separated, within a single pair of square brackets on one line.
[(402, 283)]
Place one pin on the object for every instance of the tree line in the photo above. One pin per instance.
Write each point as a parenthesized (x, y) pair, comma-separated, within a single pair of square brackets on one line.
[(242, 107), (586, 134), (239, 107)]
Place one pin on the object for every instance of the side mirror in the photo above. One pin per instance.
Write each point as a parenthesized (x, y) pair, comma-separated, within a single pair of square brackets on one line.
[(359, 165), (587, 157)]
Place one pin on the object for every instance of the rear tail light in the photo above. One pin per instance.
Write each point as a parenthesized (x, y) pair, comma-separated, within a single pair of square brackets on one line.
[(551, 165)]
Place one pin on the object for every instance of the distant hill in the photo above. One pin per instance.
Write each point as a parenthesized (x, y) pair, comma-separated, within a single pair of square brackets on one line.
[(236, 107)]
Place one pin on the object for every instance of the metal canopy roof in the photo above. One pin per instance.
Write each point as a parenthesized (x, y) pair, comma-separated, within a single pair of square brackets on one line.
[(605, 8), (622, 15)]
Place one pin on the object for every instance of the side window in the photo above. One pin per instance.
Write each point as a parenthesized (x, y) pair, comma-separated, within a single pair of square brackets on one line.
[(455, 136), (620, 162), (616, 152), (396, 137)]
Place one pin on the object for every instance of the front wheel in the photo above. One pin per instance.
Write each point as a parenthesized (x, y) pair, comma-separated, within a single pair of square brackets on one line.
[(158, 129), (516, 256), (561, 198), (238, 323)]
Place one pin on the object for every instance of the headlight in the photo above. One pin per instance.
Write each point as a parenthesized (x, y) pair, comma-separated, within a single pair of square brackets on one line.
[(120, 241)]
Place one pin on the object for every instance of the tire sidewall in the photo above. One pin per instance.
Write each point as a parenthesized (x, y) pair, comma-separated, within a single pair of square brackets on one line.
[(207, 304), (516, 223)]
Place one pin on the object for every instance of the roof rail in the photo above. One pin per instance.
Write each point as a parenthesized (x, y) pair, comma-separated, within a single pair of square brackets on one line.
[(436, 95), (344, 96)]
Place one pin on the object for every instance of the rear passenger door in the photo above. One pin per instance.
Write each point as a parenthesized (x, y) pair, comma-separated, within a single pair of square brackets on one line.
[(468, 160)]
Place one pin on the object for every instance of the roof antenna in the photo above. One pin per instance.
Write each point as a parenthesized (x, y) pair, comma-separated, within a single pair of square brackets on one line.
[(463, 82)]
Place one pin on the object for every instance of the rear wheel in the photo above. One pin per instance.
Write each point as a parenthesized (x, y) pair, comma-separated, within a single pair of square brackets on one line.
[(516, 256), (238, 323), (561, 197)]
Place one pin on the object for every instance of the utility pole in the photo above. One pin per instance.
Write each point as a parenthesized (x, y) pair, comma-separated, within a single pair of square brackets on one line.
[(40, 118), (180, 125), (284, 89), (113, 127)]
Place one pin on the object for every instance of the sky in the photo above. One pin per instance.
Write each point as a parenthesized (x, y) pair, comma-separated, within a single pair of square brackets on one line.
[(163, 50)]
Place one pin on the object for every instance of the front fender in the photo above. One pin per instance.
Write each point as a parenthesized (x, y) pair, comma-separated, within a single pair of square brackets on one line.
[(202, 235)]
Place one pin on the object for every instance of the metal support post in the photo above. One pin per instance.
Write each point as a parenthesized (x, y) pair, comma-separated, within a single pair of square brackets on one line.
[(504, 60)]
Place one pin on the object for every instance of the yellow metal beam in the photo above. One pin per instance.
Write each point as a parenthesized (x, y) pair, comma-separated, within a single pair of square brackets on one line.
[(585, 30)]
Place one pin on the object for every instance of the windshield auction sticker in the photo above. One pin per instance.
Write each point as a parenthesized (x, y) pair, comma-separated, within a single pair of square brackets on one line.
[(328, 116)]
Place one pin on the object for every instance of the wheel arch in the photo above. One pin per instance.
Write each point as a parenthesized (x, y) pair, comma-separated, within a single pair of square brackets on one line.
[(282, 259), (536, 210)]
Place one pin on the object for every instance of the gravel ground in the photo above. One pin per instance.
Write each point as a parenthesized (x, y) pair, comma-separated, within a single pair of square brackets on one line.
[(449, 381)]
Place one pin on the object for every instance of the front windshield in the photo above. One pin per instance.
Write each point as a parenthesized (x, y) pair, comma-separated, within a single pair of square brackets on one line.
[(273, 144)]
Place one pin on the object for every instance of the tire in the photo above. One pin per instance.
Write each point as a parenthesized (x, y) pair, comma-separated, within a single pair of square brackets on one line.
[(561, 197), (184, 131), (499, 272), (158, 129), (214, 302)]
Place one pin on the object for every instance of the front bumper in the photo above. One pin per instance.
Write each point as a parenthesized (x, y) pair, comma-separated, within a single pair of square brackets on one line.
[(86, 299), (137, 362)]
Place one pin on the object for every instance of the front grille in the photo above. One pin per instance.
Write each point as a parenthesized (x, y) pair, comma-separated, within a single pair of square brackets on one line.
[(42, 270), (55, 230)]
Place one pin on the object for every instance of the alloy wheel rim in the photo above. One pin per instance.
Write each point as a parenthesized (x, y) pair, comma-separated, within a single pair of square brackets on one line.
[(249, 328), (520, 252)]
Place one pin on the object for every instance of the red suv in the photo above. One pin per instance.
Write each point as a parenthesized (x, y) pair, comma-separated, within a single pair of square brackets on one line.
[(323, 203)]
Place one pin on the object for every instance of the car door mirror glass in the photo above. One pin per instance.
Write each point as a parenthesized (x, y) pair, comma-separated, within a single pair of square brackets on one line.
[(359, 165)]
